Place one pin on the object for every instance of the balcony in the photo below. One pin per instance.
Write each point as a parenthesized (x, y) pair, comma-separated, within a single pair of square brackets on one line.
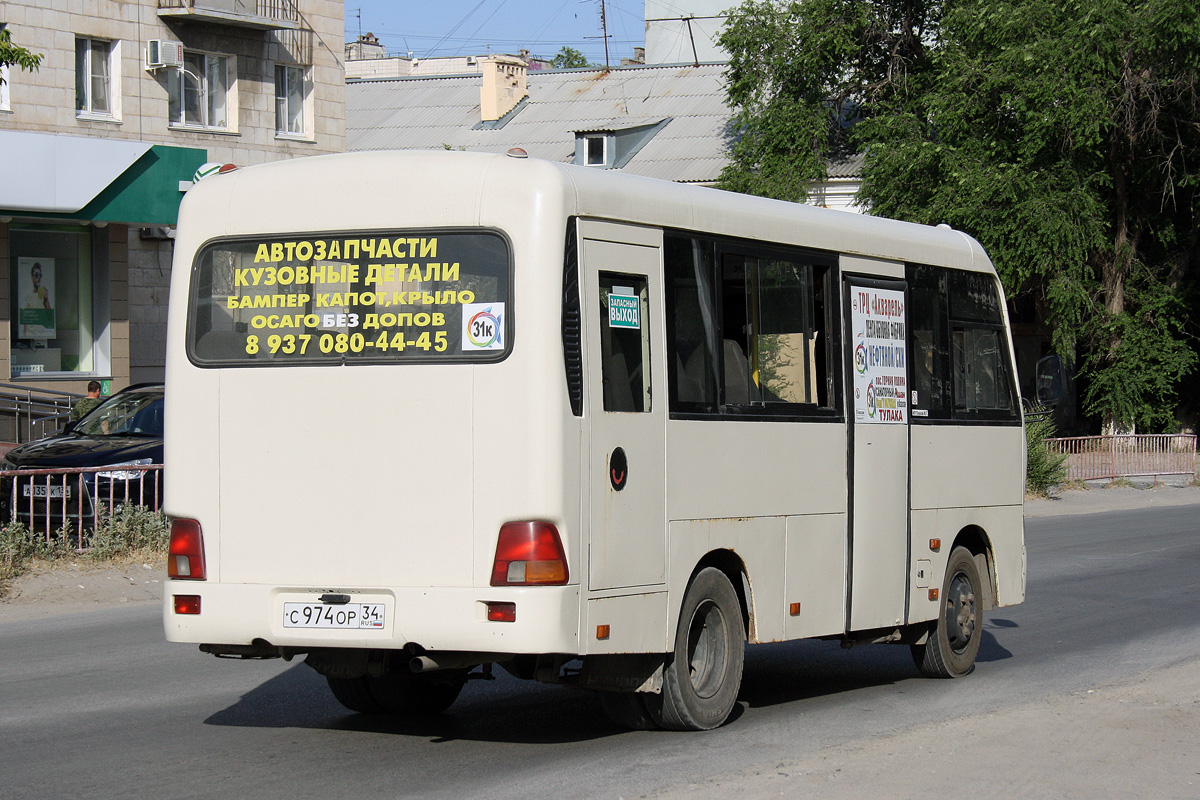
[(258, 14)]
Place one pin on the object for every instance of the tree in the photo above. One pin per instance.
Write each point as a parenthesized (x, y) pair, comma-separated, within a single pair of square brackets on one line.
[(11, 54), (1062, 134), (569, 58)]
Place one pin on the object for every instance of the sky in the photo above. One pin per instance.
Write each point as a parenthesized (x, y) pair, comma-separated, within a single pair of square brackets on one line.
[(476, 27)]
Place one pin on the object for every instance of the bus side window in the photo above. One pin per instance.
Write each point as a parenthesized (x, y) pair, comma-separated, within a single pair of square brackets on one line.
[(691, 321), (625, 342), (959, 357), (748, 330), (981, 364), (929, 346)]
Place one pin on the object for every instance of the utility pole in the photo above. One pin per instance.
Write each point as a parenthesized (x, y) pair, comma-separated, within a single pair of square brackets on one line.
[(604, 29)]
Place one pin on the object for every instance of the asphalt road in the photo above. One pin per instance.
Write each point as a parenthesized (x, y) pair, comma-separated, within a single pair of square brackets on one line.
[(98, 705)]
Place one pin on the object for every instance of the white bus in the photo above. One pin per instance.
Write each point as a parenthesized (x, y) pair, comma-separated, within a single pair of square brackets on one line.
[(430, 412)]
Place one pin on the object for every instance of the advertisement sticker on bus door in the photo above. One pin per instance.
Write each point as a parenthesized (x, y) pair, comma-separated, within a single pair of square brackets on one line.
[(880, 355)]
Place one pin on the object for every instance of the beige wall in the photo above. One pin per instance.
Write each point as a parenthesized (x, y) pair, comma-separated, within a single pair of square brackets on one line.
[(44, 101)]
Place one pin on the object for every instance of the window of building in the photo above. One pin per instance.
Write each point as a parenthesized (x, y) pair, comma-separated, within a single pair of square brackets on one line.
[(749, 328), (199, 91), (289, 100), (94, 78), (3, 79), (595, 151), (54, 274)]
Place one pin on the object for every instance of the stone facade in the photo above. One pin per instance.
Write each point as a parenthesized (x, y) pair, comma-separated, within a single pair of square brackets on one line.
[(134, 258)]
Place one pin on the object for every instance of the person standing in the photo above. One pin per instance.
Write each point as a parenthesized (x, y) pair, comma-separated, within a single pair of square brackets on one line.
[(86, 404)]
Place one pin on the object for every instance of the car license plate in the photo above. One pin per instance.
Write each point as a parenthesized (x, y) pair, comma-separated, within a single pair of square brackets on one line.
[(42, 490), (321, 615)]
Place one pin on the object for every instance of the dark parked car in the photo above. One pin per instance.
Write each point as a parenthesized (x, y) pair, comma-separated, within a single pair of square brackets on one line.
[(123, 434)]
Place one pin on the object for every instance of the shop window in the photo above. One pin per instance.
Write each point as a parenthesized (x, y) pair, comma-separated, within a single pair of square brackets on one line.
[(54, 274), (199, 91), (289, 100), (94, 78)]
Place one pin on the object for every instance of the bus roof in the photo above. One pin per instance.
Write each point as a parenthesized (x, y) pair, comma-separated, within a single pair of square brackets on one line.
[(410, 188)]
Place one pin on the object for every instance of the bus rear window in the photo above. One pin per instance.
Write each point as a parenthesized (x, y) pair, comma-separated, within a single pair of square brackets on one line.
[(351, 298)]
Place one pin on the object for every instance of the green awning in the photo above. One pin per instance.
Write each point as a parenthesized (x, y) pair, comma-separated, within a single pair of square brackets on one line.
[(148, 192)]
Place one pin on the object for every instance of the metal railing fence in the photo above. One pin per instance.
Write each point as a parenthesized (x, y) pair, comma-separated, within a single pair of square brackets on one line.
[(76, 499), (271, 9), (28, 413), (1126, 456)]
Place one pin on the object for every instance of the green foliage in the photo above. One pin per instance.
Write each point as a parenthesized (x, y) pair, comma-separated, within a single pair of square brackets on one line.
[(1043, 468), (1135, 381), (801, 72), (131, 532), (1060, 133), (11, 54), (131, 529), (569, 58)]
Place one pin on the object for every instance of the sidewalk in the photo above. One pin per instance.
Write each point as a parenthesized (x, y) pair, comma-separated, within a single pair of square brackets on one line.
[(1098, 499)]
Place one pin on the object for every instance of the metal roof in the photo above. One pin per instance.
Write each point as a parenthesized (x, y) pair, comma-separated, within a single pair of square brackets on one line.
[(443, 112)]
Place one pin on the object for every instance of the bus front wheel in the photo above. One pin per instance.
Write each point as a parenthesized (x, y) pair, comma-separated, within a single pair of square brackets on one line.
[(953, 642), (702, 675)]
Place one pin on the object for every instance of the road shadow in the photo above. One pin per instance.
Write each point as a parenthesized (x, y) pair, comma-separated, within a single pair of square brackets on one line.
[(990, 648), (790, 672), (515, 711), (501, 710)]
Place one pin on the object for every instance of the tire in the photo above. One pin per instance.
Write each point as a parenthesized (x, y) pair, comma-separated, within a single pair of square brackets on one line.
[(702, 675), (404, 695), (355, 694), (953, 642), (628, 710), (419, 695)]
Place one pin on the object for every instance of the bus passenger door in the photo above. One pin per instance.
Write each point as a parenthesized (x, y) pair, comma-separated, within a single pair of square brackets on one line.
[(625, 404), (878, 397)]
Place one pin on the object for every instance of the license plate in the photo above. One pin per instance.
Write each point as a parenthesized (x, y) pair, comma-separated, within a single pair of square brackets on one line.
[(41, 490), (321, 615)]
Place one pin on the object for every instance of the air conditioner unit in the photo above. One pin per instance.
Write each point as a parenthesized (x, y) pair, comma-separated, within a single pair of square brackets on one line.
[(163, 53)]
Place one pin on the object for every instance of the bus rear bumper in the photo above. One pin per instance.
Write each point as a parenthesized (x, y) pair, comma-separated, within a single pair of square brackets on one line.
[(545, 619)]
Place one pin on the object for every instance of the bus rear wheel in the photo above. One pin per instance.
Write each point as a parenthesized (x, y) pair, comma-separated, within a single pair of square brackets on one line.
[(411, 695), (702, 675), (953, 642)]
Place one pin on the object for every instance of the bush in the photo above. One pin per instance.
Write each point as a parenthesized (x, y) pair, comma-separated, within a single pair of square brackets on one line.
[(1043, 468), (131, 532)]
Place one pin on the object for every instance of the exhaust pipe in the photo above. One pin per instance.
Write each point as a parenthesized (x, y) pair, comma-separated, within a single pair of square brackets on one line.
[(449, 659)]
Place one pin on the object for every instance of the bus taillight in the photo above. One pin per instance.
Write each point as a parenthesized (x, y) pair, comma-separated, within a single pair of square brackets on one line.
[(185, 554), (527, 554)]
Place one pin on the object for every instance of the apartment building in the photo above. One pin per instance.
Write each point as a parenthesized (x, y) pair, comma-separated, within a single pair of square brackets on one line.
[(98, 146)]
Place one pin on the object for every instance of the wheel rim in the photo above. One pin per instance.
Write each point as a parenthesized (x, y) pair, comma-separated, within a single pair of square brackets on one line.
[(961, 618), (707, 637)]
